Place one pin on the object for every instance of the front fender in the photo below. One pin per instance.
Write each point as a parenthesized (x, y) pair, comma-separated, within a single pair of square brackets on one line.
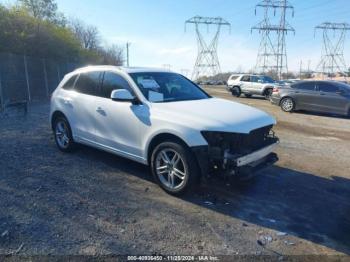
[(191, 137)]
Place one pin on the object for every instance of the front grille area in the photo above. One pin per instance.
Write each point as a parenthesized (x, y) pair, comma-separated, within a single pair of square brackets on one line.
[(241, 144)]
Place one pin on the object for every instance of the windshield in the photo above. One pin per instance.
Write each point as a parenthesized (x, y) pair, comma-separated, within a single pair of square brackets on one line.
[(167, 87), (267, 79)]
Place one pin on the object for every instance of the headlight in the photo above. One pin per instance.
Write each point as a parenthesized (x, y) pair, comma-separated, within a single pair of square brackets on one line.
[(238, 141), (215, 138)]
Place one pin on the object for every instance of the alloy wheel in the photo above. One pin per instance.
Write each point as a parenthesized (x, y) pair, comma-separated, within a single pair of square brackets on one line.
[(62, 134), (287, 104), (170, 168)]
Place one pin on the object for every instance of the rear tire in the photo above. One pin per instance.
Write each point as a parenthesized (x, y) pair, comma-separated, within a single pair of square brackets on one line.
[(174, 167), (287, 104), (63, 134), (236, 91), (268, 93)]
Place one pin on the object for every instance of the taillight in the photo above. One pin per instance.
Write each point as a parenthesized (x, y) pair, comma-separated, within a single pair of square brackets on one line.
[(275, 90)]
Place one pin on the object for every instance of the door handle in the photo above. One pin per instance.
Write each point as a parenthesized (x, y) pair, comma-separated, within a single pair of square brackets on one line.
[(67, 101), (101, 111)]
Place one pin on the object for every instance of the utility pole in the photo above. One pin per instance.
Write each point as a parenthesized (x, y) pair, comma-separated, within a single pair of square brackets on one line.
[(127, 54), (332, 58), (207, 62), (272, 54), (301, 68)]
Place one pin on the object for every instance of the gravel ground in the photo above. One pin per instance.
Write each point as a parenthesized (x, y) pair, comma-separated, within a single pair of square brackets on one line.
[(92, 202)]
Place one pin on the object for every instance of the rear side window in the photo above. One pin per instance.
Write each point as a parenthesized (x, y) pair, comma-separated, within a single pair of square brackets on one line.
[(233, 77), (88, 83), (246, 78), (310, 86), (254, 79), (113, 81), (69, 85), (327, 87)]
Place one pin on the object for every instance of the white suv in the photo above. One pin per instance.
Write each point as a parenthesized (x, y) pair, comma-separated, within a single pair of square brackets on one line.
[(251, 85), (163, 120)]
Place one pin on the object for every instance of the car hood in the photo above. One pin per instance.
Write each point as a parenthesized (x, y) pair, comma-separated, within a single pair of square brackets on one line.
[(213, 114)]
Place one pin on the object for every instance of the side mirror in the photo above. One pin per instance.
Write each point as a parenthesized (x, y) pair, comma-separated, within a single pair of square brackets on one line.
[(122, 95)]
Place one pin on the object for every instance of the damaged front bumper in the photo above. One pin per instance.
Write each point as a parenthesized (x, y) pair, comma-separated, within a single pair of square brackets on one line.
[(248, 164), (231, 165), (240, 163), (249, 159)]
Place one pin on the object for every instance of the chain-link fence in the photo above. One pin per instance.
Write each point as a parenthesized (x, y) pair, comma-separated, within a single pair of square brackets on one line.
[(25, 79)]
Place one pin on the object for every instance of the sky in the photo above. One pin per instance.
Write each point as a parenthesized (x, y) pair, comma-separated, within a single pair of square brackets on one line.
[(156, 31)]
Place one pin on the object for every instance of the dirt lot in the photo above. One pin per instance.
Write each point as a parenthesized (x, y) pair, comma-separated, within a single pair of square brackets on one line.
[(91, 202)]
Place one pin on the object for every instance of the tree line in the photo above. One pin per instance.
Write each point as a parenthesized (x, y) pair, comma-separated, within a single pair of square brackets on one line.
[(37, 28)]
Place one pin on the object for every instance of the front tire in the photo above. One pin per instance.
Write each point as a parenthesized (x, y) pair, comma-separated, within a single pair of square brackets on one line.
[(174, 167), (287, 104), (63, 134)]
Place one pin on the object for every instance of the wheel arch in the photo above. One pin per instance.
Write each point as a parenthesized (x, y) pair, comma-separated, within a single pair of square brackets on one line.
[(161, 137), (266, 88), (284, 97), (293, 99), (55, 115)]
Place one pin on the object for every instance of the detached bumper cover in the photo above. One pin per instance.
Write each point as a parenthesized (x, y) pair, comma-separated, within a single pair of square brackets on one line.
[(255, 156), (249, 170)]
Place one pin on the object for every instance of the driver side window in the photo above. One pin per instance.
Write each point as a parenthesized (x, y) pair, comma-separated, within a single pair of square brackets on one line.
[(113, 81)]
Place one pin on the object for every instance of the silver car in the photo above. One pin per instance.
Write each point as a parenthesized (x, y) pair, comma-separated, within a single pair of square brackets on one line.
[(251, 85), (318, 96)]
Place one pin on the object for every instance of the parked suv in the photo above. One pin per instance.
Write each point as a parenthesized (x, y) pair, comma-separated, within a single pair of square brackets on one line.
[(163, 120), (251, 85), (320, 96)]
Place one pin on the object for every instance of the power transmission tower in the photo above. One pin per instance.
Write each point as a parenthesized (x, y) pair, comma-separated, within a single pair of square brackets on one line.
[(266, 59), (272, 54), (207, 62), (332, 59)]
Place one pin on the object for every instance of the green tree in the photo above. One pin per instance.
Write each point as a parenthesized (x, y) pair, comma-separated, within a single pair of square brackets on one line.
[(32, 28), (41, 9)]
